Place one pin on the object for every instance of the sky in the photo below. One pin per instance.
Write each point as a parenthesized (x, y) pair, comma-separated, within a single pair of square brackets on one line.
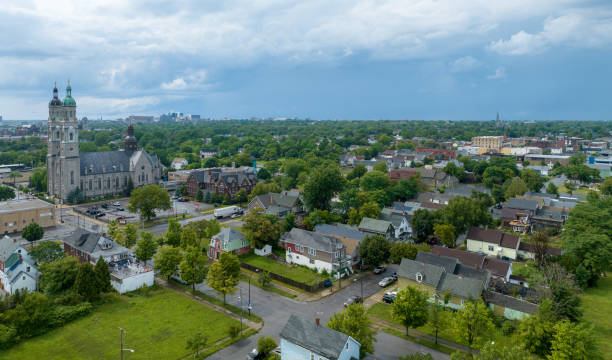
[(318, 59)]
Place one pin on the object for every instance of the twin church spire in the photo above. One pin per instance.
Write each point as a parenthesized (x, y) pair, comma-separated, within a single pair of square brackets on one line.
[(68, 100)]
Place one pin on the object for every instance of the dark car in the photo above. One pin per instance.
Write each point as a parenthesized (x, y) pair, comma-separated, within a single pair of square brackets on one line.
[(379, 270), (120, 209), (389, 297), (104, 206), (327, 283), (352, 300), (100, 214), (182, 199)]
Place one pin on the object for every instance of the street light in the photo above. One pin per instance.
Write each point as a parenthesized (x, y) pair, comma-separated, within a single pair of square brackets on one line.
[(122, 349)]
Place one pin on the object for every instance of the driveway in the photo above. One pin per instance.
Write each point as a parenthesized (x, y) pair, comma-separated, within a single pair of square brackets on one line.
[(275, 311)]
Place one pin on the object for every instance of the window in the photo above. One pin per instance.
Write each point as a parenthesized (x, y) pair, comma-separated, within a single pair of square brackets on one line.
[(339, 245), (312, 357), (108, 183), (312, 252), (288, 249), (71, 177), (491, 248), (57, 135), (337, 254), (99, 184), (90, 183), (116, 182), (71, 137), (302, 248), (462, 301), (419, 277)]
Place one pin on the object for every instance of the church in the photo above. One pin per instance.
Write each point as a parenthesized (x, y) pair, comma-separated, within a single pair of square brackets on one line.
[(96, 174)]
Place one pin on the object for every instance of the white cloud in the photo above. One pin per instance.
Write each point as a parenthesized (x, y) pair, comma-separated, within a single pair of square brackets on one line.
[(500, 73), (466, 63), (193, 79), (580, 29)]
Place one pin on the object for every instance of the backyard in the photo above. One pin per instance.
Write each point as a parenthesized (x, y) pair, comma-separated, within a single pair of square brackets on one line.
[(597, 306), (156, 326), (297, 273)]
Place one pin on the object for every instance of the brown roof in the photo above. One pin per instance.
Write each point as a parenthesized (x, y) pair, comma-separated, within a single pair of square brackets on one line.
[(531, 248), (493, 236), (465, 257), (349, 243), (434, 206), (497, 267)]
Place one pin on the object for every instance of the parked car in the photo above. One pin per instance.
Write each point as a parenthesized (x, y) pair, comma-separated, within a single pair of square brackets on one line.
[(104, 206), (352, 300), (116, 203), (182, 199), (120, 209), (387, 281), (254, 355), (99, 215), (327, 283), (389, 297), (120, 217), (379, 269)]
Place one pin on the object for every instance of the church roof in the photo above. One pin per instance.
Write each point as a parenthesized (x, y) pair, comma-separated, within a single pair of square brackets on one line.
[(104, 162)]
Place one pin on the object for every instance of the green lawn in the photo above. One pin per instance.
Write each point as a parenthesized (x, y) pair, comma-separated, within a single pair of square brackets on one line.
[(297, 273), (597, 306), (156, 326)]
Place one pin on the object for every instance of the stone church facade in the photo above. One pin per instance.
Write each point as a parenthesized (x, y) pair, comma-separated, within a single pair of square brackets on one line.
[(97, 174)]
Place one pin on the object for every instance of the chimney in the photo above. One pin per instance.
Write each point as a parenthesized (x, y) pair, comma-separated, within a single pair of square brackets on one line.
[(20, 259), (317, 321)]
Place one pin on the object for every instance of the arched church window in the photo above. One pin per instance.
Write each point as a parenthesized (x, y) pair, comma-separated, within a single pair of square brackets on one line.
[(99, 184), (71, 177), (71, 137)]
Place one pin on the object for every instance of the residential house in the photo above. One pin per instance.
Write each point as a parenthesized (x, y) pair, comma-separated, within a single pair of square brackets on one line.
[(350, 237), (287, 202), (401, 223), (434, 197), (548, 218), (228, 240), (314, 250), (492, 242), (434, 178), (224, 181), (178, 163), (518, 212), (510, 307), (436, 281), (497, 268), (377, 227), (19, 272), (127, 273), (207, 153), (303, 339), (347, 159), (369, 164)]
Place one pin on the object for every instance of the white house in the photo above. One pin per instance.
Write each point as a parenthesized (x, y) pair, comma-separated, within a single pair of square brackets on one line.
[(179, 163), (19, 272), (314, 250), (303, 339)]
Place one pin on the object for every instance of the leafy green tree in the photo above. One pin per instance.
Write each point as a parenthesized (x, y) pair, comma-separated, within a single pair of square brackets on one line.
[(410, 307), (224, 274), (577, 159), (87, 283), (32, 316), (495, 175), (264, 174), (213, 228), (354, 321), (606, 186), (587, 254), (323, 184), (167, 259), (200, 195), (573, 341), (369, 209), (405, 189), (14, 175), (146, 247), (173, 234), (559, 285), (358, 171), (532, 179), (400, 250), (46, 251), (265, 345), (381, 166), (193, 267), (473, 323), (516, 187), (264, 279), (374, 250), (462, 213), (58, 276), (348, 199), (189, 238), (211, 163), (145, 200), (375, 180), (38, 180), (536, 332), (288, 223), (114, 232), (241, 196), (196, 342), (569, 186), (6, 193), (456, 171), (261, 229), (32, 232), (492, 351), (130, 235), (446, 233), (75, 196), (102, 275), (552, 188), (437, 318), (423, 222), (354, 218)]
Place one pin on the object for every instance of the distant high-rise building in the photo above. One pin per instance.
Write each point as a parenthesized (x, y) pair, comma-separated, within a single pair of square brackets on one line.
[(489, 142)]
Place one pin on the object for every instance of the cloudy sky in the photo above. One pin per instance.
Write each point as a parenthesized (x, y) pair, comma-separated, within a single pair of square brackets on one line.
[(323, 59)]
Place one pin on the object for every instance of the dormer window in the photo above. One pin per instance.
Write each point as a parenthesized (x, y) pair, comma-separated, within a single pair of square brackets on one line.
[(419, 277)]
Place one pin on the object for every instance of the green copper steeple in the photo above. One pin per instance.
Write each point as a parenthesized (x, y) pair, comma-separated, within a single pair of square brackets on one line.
[(68, 100)]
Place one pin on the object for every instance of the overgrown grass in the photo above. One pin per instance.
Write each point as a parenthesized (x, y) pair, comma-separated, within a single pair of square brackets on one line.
[(597, 306), (156, 324), (297, 273), (255, 282)]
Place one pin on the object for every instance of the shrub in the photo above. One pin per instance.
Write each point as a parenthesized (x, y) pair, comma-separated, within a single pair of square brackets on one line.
[(65, 314), (8, 336), (508, 328), (233, 331)]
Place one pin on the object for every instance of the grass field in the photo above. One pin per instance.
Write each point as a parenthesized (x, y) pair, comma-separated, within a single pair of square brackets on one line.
[(157, 326), (597, 306), (297, 273)]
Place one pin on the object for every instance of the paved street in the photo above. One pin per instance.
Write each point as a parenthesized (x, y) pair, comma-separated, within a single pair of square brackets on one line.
[(276, 309)]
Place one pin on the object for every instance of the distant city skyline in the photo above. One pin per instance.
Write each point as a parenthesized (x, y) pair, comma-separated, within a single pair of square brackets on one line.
[(432, 60)]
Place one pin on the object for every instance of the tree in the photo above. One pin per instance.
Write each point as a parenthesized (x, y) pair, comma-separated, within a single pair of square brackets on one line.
[(573, 341), (354, 322), (515, 187), (491, 351), (114, 232), (196, 342), (400, 250), (86, 283), (437, 318), (577, 159), (189, 238), (265, 345), (173, 233), (58, 276), (211, 163), (569, 186), (423, 223), (46, 251), (532, 179), (224, 274), (130, 235), (358, 171), (145, 248), (536, 332), (129, 188), (102, 276), (264, 279), (32, 316), (559, 285), (552, 189), (606, 186), (147, 199), (75, 196), (183, 190), (13, 175), (263, 174), (323, 184), (446, 234), (369, 209), (200, 195), (193, 267), (167, 259), (473, 323), (587, 254), (288, 223), (410, 307), (375, 180), (463, 212), (374, 250), (38, 180), (348, 200), (241, 196), (32, 232), (540, 242), (381, 166), (6, 193), (261, 229)]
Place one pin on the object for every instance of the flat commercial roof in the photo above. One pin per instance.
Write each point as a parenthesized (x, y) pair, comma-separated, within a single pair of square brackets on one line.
[(10, 206)]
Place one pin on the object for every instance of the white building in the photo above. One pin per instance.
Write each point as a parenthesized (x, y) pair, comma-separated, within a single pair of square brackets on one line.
[(19, 272)]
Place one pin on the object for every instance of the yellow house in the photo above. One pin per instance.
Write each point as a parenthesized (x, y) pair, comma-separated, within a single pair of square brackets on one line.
[(437, 282), (492, 242)]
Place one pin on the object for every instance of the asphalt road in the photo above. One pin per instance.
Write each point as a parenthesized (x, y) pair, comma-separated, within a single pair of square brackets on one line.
[(275, 311)]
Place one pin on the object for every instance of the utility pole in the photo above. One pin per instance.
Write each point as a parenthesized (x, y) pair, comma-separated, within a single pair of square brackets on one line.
[(121, 343), (249, 304), (240, 297), (361, 279)]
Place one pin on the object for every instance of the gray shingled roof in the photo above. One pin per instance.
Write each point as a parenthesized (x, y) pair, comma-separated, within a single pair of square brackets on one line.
[(374, 225), (461, 286), (448, 263), (318, 339), (431, 273), (516, 203), (104, 162), (328, 229), (312, 240), (511, 302)]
